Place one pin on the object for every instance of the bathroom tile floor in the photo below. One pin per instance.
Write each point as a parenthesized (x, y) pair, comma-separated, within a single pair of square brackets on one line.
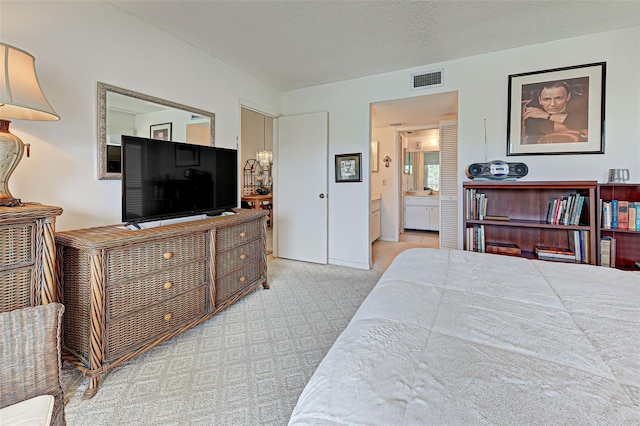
[(424, 238)]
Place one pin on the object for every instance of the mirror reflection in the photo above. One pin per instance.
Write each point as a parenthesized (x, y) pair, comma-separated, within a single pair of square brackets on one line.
[(421, 160), (125, 112)]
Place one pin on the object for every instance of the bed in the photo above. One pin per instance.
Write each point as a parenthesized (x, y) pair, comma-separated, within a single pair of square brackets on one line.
[(457, 337)]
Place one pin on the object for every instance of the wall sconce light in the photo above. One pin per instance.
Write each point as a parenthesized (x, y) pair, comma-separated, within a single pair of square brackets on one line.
[(386, 160), (22, 98)]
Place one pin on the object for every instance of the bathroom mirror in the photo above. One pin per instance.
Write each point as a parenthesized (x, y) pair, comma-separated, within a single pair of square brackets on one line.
[(421, 160), (422, 170), (125, 112)]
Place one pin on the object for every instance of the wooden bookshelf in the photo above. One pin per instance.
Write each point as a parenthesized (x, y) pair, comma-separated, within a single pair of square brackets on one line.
[(526, 206), (627, 240)]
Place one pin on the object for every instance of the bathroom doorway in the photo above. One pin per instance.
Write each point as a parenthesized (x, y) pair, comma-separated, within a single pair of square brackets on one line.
[(388, 119)]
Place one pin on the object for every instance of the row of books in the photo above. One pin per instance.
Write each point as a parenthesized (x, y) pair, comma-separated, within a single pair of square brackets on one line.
[(608, 252), (475, 238), (476, 205), (578, 250), (620, 214), (476, 242), (565, 210)]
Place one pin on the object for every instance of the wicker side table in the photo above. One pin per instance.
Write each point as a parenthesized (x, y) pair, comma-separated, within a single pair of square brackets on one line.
[(27, 256), (128, 291)]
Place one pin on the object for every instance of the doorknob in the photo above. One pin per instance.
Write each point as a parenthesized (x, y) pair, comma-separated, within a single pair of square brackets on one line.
[(321, 195)]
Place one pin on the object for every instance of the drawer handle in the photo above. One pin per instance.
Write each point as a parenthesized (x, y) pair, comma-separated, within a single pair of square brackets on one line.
[(167, 317), (168, 285), (243, 234), (243, 279), (243, 256), (168, 255)]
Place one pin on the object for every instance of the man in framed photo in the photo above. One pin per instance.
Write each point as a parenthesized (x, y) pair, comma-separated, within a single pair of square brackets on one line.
[(555, 112)]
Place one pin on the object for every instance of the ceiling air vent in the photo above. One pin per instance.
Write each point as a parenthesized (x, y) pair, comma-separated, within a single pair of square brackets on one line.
[(424, 80)]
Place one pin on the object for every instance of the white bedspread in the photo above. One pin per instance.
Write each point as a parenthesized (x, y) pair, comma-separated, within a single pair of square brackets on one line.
[(458, 338)]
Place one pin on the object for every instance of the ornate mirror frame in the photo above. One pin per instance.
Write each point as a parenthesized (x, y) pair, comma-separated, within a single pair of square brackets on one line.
[(103, 90)]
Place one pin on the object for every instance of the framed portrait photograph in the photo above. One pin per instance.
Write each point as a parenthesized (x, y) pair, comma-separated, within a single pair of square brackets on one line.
[(160, 131), (557, 111), (348, 168)]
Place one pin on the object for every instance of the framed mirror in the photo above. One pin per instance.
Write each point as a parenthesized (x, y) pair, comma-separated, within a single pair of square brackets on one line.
[(125, 112)]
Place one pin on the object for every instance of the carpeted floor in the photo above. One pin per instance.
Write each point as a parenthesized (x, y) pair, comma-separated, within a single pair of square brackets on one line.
[(245, 366)]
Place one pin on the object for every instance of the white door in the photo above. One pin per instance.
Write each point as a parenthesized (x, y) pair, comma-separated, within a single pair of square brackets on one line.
[(300, 196)]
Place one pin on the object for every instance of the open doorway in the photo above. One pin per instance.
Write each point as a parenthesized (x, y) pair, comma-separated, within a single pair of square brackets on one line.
[(256, 165), (388, 120)]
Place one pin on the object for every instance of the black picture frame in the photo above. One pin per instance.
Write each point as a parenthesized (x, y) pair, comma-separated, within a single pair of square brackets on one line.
[(161, 131), (348, 167), (557, 111)]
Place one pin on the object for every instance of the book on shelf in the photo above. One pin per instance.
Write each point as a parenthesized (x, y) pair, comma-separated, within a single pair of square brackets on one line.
[(637, 216), (608, 251), (632, 216), (575, 245), (623, 214), (499, 218), (612, 260), (605, 251), (606, 214), (614, 214), (503, 248), (554, 253)]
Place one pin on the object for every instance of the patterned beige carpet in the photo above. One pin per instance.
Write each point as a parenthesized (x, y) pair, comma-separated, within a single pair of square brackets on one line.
[(246, 365)]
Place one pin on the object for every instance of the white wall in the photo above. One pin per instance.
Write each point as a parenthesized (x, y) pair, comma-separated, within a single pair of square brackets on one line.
[(77, 44), (386, 182), (481, 82)]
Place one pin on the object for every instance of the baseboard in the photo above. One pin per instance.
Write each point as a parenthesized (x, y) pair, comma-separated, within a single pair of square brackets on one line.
[(350, 264)]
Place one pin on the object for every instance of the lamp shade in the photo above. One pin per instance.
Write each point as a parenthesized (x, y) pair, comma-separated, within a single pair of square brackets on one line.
[(20, 93)]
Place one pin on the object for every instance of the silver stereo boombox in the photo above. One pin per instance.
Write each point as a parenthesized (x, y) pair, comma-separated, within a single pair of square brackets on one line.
[(496, 170)]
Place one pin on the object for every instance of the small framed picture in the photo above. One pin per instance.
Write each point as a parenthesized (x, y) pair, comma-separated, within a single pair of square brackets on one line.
[(557, 111), (348, 167), (161, 132)]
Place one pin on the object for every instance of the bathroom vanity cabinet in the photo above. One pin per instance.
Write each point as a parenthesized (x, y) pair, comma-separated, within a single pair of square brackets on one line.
[(422, 213)]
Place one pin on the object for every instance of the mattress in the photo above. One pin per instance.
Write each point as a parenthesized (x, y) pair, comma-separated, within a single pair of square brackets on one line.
[(457, 337)]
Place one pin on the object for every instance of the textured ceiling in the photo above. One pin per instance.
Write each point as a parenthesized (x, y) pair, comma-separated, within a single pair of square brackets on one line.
[(295, 44)]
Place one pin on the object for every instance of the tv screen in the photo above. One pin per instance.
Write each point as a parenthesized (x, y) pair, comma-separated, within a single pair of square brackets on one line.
[(162, 179)]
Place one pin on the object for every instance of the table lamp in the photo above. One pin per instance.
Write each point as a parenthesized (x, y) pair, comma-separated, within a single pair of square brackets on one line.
[(21, 98)]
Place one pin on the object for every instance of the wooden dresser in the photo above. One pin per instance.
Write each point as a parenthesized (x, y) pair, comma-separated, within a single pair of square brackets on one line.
[(126, 291), (27, 256)]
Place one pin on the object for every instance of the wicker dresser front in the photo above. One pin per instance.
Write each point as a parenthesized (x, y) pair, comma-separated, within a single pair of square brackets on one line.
[(128, 291), (238, 259), (27, 256)]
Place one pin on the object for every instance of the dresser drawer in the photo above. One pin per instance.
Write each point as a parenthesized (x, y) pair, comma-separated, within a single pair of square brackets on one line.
[(135, 331), (234, 236), (18, 247), (238, 257), (129, 296), (230, 284), (137, 260), (16, 289)]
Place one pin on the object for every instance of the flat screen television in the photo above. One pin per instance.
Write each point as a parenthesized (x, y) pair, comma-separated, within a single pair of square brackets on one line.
[(162, 180)]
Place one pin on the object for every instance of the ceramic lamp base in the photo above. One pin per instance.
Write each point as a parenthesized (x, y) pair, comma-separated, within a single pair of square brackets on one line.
[(11, 150)]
